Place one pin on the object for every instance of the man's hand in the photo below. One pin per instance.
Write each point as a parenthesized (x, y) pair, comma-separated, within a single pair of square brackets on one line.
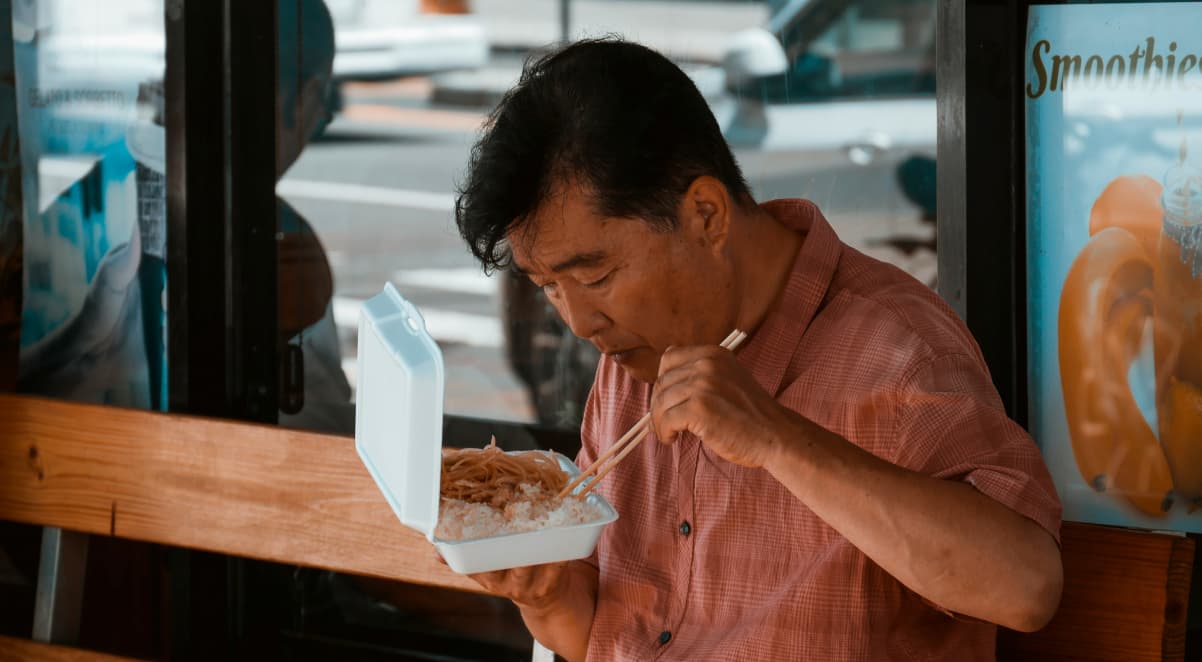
[(704, 390), (535, 587), (557, 601)]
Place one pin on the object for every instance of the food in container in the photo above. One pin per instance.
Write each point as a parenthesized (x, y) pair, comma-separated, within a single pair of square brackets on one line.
[(398, 434), (488, 492)]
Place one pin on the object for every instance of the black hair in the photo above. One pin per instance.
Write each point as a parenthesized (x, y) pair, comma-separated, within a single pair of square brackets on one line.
[(616, 117)]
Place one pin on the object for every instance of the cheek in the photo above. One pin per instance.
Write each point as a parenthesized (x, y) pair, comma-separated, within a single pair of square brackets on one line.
[(629, 302), (659, 307)]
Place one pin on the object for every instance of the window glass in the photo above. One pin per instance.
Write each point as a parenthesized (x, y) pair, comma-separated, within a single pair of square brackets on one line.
[(90, 111), (849, 123)]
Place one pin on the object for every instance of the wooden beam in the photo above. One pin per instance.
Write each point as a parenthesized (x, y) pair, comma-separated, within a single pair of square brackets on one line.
[(305, 499), (1125, 599), (20, 650), (248, 490)]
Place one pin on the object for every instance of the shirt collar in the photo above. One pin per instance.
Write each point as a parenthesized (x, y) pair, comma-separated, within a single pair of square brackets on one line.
[(773, 344)]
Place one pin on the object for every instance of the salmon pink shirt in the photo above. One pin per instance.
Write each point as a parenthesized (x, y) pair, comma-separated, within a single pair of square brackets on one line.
[(712, 561)]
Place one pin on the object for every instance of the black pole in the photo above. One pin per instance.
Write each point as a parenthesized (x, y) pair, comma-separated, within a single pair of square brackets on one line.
[(565, 21), (221, 264), (981, 183), (250, 68)]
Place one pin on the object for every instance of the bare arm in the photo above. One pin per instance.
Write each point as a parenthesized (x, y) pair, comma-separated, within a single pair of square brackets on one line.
[(943, 539), (557, 602)]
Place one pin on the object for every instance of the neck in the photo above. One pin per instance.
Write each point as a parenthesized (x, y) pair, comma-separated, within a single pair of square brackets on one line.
[(764, 257)]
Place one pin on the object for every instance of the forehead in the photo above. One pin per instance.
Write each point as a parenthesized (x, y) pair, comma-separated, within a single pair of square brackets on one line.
[(566, 224)]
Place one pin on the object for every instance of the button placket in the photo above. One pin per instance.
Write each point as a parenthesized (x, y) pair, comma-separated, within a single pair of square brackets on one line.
[(687, 451)]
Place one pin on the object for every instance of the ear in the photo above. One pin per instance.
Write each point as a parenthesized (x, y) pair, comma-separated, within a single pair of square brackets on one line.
[(706, 209)]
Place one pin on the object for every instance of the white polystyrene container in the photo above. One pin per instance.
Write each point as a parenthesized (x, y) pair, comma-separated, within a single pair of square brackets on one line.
[(398, 433)]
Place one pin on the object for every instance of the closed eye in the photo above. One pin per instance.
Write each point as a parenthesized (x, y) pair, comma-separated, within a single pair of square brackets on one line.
[(600, 281)]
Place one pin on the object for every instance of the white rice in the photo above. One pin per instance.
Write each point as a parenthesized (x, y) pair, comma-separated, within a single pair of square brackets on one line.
[(463, 520)]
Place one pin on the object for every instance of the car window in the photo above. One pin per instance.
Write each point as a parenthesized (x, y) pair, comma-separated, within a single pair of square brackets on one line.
[(868, 48)]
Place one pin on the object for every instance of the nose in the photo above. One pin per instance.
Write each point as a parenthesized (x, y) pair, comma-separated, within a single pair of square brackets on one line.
[(580, 313)]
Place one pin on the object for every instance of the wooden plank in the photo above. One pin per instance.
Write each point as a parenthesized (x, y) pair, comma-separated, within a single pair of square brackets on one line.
[(247, 490), (22, 650), (302, 498), (1125, 599)]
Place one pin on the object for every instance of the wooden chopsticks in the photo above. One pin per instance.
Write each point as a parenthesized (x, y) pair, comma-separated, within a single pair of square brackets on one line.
[(629, 441)]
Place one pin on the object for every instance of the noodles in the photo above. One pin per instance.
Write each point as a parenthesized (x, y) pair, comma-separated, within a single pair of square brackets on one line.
[(490, 475), (488, 492)]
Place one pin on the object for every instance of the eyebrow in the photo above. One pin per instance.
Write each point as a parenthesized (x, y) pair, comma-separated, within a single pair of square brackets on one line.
[(578, 260)]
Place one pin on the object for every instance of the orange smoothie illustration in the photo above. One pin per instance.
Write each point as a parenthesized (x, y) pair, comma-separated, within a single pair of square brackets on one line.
[(1178, 304), (1137, 282)]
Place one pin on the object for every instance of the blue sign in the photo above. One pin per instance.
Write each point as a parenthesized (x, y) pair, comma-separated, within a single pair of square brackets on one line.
[(1114, 258)]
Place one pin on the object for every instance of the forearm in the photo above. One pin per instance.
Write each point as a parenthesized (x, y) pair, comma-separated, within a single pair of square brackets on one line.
[(563, 624), (943, 539)]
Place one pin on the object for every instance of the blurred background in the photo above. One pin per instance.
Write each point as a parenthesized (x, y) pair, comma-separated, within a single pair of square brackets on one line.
[(832, 100), (841, 123)]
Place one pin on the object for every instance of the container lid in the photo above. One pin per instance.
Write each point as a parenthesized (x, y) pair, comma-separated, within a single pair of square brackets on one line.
[(398, 410)]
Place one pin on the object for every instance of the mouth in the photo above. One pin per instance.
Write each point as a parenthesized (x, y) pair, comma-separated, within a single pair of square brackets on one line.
[(622, 356)]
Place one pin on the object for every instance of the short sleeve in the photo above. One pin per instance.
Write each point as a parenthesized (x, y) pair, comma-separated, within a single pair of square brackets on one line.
[(951, 425)]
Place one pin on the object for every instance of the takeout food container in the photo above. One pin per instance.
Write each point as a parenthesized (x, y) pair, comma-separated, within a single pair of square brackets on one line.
[(398, 434)]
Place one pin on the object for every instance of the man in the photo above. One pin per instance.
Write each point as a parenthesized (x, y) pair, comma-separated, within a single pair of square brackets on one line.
[(845, 486)]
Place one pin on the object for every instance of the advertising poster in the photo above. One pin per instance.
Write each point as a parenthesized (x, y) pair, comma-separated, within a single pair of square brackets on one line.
[(1114, 258), (90, 111)]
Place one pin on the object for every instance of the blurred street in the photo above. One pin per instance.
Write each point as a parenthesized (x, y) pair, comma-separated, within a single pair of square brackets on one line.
[(379, 186)]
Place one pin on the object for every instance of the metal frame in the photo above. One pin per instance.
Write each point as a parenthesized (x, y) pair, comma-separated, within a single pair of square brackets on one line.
[(981, 217), (195, 251), (221, 83), (221, 69), (251, 57)]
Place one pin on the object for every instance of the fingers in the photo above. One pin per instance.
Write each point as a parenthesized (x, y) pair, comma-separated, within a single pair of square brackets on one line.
[(687, 374), (693, 364), (524, 585), (667, 404), (493, 582), (675, 357), (521, 577)]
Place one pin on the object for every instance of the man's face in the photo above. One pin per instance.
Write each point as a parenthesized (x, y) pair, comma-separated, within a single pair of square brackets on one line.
[(627, 288)]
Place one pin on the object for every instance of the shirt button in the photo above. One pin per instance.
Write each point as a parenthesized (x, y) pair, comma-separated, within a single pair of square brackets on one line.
[(665, 637), (685, 529)]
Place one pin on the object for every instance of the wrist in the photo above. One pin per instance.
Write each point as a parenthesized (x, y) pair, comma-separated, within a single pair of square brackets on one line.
[(790, 446)]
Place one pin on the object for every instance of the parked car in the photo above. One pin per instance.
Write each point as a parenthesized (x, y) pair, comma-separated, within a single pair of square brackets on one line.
[(840, 91), (382, 39), (838, 82)]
